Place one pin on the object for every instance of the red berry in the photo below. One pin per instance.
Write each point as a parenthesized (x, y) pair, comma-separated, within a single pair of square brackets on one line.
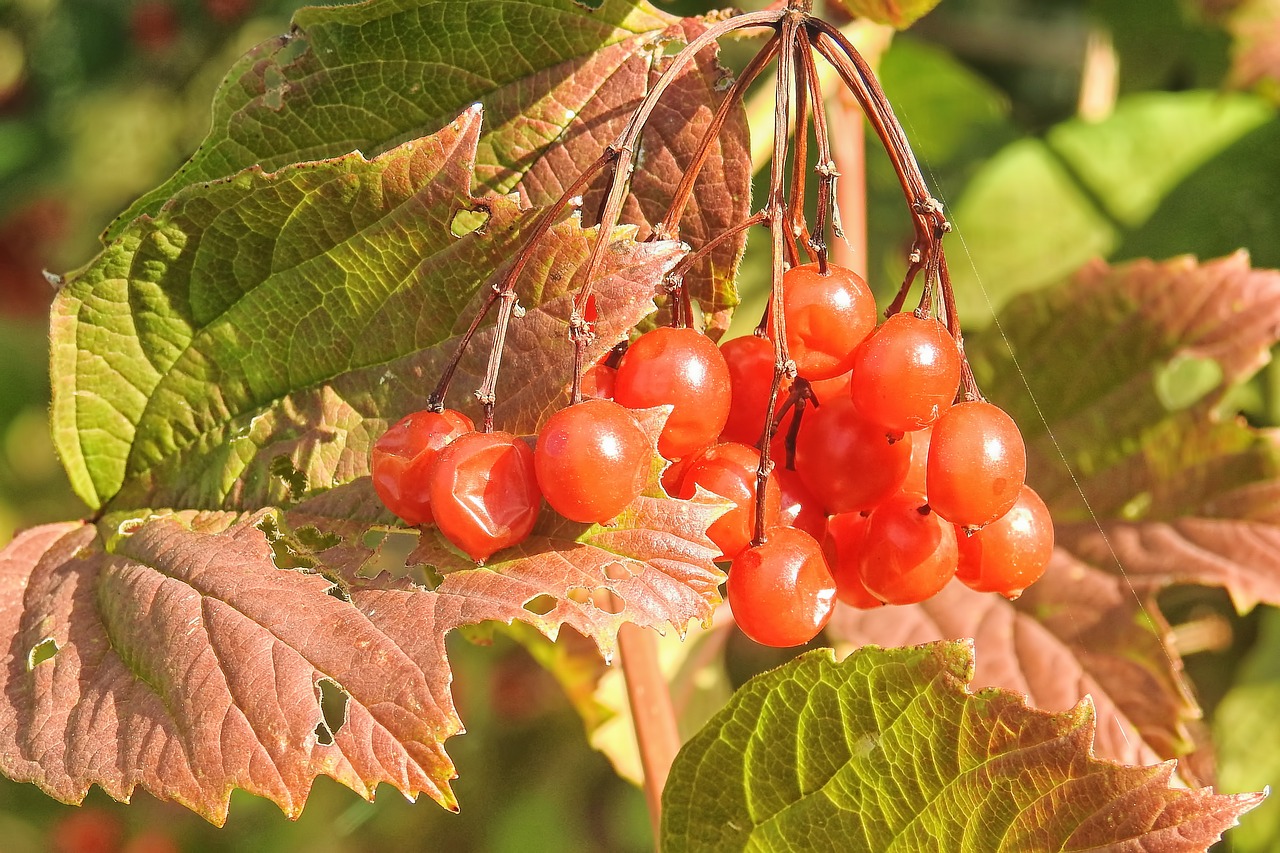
[(729, 470), (750, 360), (1010, 553), (977, 464), (781, 591), (403, 455), (592, 460), (685, 370), (908, 551), (484, 492), (800, 509), (906, 374), (827, 316), (842, 545), (916, 474), (847, 461), (598, 381)]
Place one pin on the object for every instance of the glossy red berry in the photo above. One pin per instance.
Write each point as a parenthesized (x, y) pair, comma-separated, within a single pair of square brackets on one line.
[(977, 464), (729, 470), (403, 455), (781, 591), (800, 509), (906, 374), (685, 370), (750, 361), (848, 462), (917, 473), (484, 492), (598, 382), (908, 551), (842, 546), (827, 316), (592, 460), (1010, 553)]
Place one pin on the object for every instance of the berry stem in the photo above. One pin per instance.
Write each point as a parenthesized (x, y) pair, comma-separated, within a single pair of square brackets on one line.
[(486, 394), (669, 227), (548, 217), (652, 713), (798, 231), (625, 146), (776, 207), (826, 166), (849, 209), (681, 310)]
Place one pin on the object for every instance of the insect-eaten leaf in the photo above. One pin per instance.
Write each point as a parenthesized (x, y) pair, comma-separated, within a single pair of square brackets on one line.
[(180, 654), (246, 345), (888, 750)]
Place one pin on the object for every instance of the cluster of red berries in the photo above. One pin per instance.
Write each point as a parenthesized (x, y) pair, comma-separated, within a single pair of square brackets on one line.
[(880, 494)]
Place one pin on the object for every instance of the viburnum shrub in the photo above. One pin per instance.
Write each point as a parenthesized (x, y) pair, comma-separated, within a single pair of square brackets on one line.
[(255, 410)]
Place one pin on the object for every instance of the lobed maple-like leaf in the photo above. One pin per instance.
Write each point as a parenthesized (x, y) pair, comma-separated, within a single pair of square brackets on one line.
[(176, 653), (557, 79), (246, 346), (889, 751), (1125, 367), (1077, 631)]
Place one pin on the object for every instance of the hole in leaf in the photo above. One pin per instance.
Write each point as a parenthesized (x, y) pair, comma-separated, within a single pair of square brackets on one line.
[(541, 604), (590, 4), (333, 710), (314, 539), (612, 604), (391, 550), (41, 652), (580, 594), (617, 572), (282, 468), (465, 221), (336, 590)]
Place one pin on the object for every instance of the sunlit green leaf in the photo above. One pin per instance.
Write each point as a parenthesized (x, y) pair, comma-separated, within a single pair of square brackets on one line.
[(888, 751)]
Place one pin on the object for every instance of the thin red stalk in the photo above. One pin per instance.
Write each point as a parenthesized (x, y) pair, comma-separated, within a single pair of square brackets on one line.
[(826, 166), (849, 148), (669, 225), (652, 713), (488, 389), (783, 366), (543, 224), (625, 147), (799, 228), (679, 270)]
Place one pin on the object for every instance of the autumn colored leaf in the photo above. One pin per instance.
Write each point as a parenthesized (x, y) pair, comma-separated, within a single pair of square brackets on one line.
[(888, 750), (138, 659), (897, 13), (1115, 373), (557, 80), (1077, 631), (1255, 25), (246, 345), (1125, 366)]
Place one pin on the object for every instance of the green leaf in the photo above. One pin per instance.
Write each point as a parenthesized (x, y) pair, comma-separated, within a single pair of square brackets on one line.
[(246, 345), (897, 13), (888, 751), (556, 78), (369, 76), (1248, 739), (1041, 209)]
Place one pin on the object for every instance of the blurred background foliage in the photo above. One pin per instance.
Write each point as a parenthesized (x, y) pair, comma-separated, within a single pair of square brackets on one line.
[(1054, 130)]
